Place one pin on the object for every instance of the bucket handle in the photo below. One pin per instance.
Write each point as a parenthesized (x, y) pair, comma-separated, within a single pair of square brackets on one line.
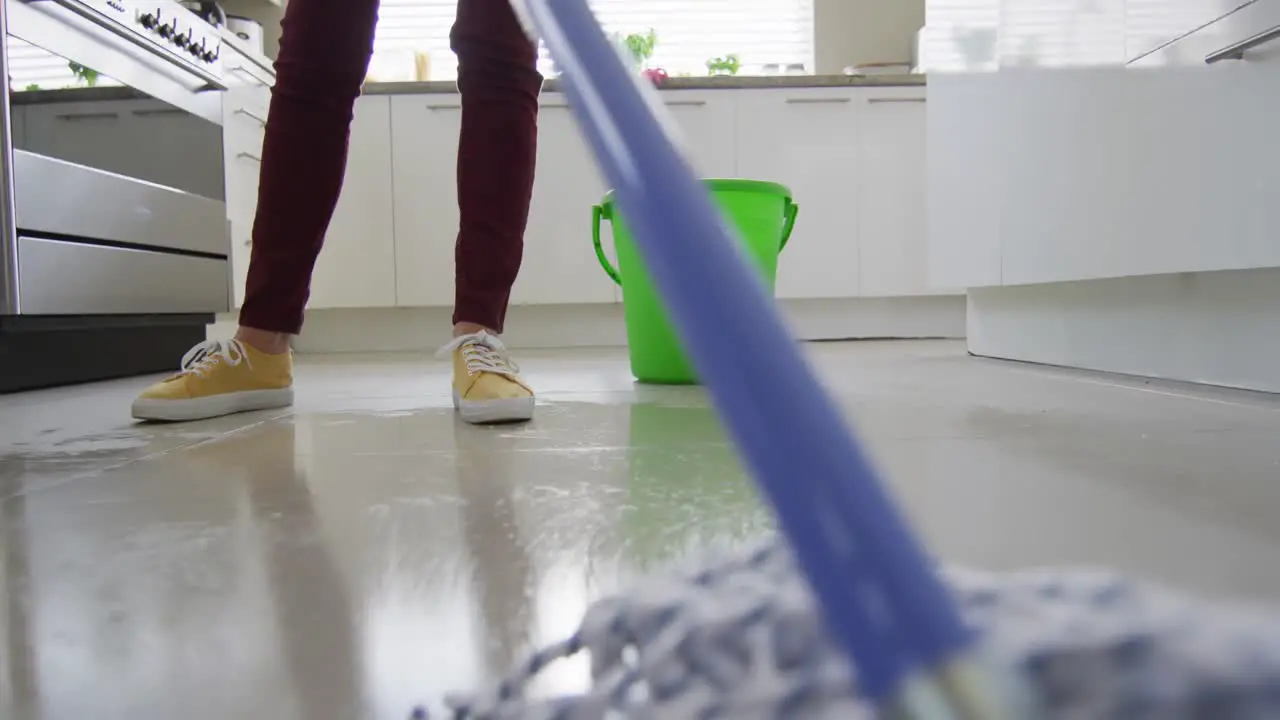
[(597, 214), (792, 210)]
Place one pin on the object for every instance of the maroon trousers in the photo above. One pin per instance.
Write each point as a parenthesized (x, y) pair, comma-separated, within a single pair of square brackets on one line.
[(325, 48)]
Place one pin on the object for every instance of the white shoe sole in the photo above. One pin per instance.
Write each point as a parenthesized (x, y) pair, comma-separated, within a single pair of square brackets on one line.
[(503, 410), (212, 406)]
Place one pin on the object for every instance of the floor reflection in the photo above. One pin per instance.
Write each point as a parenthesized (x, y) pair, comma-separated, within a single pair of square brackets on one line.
[(365, 552)]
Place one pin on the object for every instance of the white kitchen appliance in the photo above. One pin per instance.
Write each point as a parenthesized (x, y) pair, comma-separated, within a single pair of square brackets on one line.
[(90, 258), (249, 31)]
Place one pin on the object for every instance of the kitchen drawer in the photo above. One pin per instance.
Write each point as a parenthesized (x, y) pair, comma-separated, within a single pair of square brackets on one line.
[(1241, 23), (246, 103), (239, 70)]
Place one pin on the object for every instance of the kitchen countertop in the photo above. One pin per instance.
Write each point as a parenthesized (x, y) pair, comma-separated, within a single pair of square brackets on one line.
[(740, 82), (736, 82)]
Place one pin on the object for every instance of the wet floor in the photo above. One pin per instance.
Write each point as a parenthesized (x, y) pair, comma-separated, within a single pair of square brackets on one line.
[(366, 552)]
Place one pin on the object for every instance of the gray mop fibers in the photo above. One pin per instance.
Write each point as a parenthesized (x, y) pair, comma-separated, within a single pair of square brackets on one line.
[(741, 639)]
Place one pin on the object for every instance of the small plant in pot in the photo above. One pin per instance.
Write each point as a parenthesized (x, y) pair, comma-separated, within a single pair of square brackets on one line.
[(727, 65), (639, 50), (83, 74)]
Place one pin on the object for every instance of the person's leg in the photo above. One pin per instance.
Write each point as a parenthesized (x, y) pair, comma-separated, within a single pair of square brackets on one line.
[(497, 149), (325, 46)]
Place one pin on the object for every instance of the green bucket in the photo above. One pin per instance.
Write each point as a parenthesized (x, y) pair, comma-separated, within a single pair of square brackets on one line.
[(763, 214)]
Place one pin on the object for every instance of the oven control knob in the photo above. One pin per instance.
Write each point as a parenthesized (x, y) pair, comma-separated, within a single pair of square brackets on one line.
[(148, 21), (166, 31), (182, 40)]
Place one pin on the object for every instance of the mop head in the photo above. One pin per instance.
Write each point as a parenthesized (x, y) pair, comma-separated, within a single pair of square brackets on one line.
[(742, 639)]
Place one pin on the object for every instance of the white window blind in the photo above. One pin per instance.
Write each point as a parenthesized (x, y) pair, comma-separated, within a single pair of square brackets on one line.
[(764, 34), (30, 65)]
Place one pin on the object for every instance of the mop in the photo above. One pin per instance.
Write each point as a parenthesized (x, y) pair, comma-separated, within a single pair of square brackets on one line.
[(844, 615)]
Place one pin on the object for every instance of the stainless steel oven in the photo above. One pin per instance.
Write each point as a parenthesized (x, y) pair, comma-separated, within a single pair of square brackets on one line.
[(91, 257)]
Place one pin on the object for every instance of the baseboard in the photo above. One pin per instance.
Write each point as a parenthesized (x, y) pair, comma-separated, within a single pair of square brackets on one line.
[(554, 326), (1215, 328), (51, 351)]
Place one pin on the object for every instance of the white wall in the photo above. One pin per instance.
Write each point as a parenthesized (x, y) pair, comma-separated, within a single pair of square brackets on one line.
[(851, 32)]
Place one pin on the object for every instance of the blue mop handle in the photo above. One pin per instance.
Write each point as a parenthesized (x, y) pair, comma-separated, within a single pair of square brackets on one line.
[(840, 523)]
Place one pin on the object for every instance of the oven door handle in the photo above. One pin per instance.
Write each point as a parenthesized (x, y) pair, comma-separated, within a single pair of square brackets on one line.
[(94, 17)]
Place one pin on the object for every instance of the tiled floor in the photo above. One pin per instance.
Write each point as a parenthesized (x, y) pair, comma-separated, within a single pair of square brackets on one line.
[(366, 551)]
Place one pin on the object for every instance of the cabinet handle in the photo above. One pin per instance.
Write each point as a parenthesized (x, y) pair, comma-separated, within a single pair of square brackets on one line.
[(73, 117), (554, 106), (819, 101), (894, 100), (252, 116), (249, 156), (444, 106), (686, 103), (158, 112), (247, 75), (1236, 51)]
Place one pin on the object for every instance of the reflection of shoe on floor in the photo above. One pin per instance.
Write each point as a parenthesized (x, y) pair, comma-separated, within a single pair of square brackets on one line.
[(219, 377), (487, 387)]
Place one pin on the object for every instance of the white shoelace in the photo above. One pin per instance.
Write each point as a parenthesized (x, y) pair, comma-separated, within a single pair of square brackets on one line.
[(201, 358), (482, 352)]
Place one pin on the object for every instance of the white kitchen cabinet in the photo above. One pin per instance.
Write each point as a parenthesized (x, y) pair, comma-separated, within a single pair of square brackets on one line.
[(965, 182), (892, 187), (807, 139), (560, 265), (705, 120), (1111, 173), (244, 120), (357, 267), (424, 133)]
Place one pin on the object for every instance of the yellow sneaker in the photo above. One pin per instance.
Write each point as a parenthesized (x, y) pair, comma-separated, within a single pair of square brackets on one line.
[(487, 387), (219, 377)]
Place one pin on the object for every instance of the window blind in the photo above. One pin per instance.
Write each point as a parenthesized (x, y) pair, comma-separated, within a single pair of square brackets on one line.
[(30, 65), (766, 35)]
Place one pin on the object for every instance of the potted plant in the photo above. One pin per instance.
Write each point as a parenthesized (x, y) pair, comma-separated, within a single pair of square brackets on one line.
[(727, 65), (639, 49), (83, 74)]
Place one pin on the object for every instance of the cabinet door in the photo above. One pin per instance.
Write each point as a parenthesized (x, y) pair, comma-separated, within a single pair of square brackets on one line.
[(244, 113), (357, 266), (560, 265), (892, 209), (1167, 172), (424, 133), (243, 166), (705, 120), (807, 139)]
